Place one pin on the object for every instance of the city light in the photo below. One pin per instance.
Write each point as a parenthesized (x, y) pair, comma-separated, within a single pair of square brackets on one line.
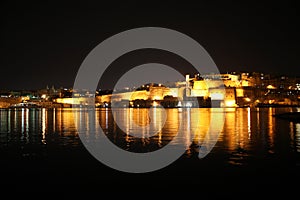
[(247, 99), (271, 87)]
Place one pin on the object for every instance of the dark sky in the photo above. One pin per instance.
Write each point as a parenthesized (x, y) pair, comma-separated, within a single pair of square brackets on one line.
[(45, 44)]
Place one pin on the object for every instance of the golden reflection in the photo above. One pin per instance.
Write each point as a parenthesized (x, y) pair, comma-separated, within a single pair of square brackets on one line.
[(240, 132), (103, 119), (81, 118), (15, 120), (86, 121), (65, 121), (159, 139), (194, 124), (27, 122), (187, 131), (58, 117), (22, 120), (292, 133), (97, 125), (54, 119), (249, 122), (127, 122), (172, 121), (292, 128), (234, 141), (200, 120), (140, 117), (162, 123), (24, 124), (297, 137), (9, 121), (142, 122), (158, 118), (143, 126), (106, 118), (257, 119), (237, 135), (215, 129), (44, 125), (230, 124), (271, 125)]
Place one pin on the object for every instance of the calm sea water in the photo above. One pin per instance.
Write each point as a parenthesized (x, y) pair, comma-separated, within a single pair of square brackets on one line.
[(43, 145)]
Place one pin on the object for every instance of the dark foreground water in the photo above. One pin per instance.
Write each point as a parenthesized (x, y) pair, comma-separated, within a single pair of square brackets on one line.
[(41, 149)]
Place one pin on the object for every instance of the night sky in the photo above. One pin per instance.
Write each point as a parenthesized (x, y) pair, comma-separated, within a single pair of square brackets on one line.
[(45, 44)]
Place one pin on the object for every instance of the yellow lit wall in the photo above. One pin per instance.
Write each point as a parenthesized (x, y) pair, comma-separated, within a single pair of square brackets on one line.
[(234, 77), (200, 85), (78, 101), (239, 92), (245, 83), (231, 83), (156, 93), (143, 94), (103, 98)]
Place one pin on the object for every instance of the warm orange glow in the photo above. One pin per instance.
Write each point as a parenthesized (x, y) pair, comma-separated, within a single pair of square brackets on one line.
[(76, 101), (200, 85), (230, 121), (271, 125), (271, 87), (230, 103), (245, 83), (247, 99), (157, 98), (155, 104), (200, 121), (239, 92), (139, 95), (27, 98)]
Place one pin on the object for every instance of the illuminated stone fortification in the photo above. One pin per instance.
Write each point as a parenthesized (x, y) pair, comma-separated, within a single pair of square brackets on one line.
[(228, 89)]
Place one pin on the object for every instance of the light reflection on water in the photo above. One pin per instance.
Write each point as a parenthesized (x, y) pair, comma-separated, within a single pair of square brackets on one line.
[(297, 136), (247, 133)]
